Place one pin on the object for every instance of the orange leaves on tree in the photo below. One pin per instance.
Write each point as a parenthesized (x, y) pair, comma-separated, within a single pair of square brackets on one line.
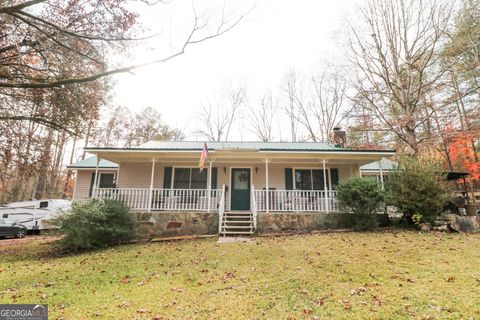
[(463, 155)]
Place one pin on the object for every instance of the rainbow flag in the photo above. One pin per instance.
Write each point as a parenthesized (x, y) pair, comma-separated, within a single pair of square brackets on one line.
[(203, 157)]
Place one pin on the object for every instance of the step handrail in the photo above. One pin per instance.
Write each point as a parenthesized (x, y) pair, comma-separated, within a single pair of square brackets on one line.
[(254, 208), (221, 210)]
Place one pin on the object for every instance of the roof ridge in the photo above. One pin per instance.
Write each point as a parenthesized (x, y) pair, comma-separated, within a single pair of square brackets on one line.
[(203, 141)]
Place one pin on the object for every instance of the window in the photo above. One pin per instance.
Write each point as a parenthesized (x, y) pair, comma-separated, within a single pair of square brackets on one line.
[(44, 204), (309, 179), (189, 178), (107, 180)]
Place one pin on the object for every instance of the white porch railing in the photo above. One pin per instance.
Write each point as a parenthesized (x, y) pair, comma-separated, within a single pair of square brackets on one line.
[(254, 208), (163, 199), (199, 200), (296, 200), (135, 198)]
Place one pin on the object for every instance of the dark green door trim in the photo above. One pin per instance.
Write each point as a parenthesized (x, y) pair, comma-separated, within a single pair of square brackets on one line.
[(240, 189)]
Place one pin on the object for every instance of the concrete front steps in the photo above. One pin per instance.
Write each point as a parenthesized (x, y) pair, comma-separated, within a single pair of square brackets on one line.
[(237, 224)]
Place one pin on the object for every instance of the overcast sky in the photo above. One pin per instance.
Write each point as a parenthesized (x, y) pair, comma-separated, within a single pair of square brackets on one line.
[(276, 36)]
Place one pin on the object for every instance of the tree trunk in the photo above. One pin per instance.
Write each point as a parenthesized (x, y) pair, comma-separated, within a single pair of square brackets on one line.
[(43, 168)]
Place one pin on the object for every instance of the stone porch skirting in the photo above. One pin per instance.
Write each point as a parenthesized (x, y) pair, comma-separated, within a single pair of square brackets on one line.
[(171, 224)]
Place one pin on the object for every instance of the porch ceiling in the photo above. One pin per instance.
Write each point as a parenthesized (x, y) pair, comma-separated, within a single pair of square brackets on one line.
[(225, 157)]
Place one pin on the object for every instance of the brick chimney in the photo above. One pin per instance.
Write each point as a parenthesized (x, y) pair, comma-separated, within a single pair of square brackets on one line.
[(339, 137)]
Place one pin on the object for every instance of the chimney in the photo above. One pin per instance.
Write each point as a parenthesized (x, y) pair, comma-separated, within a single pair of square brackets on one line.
[(339, 137)]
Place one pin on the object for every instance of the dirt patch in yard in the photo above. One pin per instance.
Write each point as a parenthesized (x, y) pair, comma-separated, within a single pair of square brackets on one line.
[(15, 246)]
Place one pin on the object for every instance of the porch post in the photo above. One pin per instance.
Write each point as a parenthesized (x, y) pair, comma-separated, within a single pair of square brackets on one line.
[(209, 191), (381, 173), (150, 192), (117, 176), (95, 183), (267, 195), (325, 185)]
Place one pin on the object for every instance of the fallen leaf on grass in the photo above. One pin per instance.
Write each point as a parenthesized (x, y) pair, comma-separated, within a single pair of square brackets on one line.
[(171, 304), (142, 311), (320, 301), (346, 304), (227, 276), (307, 311), (125, 279), (359, 291)]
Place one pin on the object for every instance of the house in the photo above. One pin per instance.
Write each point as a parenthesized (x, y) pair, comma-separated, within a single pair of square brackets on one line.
[(244, 187)]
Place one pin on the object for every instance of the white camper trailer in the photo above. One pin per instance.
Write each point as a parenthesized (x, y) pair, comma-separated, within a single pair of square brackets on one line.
[(34, 214)]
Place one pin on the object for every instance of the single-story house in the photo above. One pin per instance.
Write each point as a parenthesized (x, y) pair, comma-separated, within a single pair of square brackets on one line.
[(240, 181)]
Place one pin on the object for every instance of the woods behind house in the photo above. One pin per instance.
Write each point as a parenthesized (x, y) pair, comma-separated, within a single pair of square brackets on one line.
[(407, 77)]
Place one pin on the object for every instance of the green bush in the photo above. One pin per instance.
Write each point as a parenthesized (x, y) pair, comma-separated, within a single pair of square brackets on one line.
[(95, 224), (418, 189), (363, 197)]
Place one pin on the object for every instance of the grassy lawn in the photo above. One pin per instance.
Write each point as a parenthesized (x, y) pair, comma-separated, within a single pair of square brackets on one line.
[(343, 276)]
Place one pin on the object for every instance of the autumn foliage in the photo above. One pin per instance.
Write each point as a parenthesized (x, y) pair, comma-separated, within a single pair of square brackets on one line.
[(463, 154)]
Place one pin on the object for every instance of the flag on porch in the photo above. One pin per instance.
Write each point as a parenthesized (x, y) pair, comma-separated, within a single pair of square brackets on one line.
[(203, 157)]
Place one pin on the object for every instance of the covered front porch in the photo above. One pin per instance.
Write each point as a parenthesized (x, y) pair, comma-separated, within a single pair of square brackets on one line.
[(232, 180)]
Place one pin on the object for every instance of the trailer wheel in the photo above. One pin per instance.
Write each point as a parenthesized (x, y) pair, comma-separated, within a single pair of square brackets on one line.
[(20, 234)]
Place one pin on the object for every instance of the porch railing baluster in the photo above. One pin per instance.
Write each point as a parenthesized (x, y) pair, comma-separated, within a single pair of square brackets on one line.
[(198, 200)]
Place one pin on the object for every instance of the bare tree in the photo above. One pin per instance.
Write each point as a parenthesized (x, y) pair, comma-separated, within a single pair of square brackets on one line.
[(262, 117), (54, 26), (293, 90), (48, 44), (216, 119), (394, 54), (319, 106)]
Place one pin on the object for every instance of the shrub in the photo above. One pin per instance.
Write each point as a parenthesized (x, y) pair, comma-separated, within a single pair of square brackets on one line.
[(361, 196), (418, 189), (95, 224)]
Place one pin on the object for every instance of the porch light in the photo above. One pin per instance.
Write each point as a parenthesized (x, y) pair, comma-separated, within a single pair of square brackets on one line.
[(256, 169), (225, 170)]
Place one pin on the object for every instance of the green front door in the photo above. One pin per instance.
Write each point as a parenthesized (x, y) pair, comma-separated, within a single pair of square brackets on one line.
[(240, 189)]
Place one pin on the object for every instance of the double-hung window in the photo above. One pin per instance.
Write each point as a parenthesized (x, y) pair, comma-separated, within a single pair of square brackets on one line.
[(189, 178), (310, 179)]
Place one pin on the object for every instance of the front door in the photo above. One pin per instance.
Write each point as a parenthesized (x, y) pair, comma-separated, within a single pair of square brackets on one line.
[(240, 189)]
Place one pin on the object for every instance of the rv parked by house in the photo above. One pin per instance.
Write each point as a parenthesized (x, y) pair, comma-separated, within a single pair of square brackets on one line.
[(34, 214)]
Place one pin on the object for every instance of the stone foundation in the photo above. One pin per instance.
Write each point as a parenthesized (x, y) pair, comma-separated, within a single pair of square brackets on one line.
[(171, 224), (310, 221)]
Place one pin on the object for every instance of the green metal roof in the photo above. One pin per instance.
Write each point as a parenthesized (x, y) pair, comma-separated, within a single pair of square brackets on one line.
[(91, 162), (387, 165), (245, 146)]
